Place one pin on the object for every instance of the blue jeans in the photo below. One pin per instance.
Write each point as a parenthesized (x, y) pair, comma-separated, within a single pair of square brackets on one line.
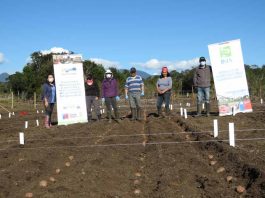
[(203, 95), (163, 98)]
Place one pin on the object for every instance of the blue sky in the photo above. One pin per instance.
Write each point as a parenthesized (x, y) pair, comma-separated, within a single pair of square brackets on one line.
[(142, 33)]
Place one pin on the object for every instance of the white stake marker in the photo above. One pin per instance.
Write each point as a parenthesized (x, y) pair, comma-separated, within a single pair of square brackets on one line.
[(261, 101), (26, 124), (13, 113), (0, 116), (103, 110), (171, 107), (215, 128), (41, 111), (37, 123), (37, 111), (21, 138), (231, 134), (181, 111), (9, 115), (185, 113), (202, 105)]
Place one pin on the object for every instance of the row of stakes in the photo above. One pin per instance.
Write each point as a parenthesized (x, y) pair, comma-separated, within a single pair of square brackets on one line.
[(183, 112)]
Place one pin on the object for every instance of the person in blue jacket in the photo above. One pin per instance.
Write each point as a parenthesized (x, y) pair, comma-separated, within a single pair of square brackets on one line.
[(49, 99)]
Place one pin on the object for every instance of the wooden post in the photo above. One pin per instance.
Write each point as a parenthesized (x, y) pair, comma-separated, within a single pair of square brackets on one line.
[(35, 101), (12, 98)]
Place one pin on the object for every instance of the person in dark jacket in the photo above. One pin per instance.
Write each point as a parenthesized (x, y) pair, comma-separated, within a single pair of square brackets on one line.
[(92, 97), (49, 99), (202, 81), (110, 94)]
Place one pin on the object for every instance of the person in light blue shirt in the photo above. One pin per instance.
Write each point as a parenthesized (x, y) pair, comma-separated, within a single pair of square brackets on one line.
[(49, 99), (134, 89)]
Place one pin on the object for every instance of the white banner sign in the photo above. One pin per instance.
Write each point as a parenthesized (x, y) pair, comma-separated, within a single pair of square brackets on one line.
[(70, 90), (230, 77)]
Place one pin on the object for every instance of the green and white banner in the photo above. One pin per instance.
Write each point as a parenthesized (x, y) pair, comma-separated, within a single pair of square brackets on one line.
[(230, 77), (70, 90)]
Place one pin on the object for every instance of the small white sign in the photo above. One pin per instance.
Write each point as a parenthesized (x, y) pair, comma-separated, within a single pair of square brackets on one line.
[(215, 128), (231, 134), (185, 113), (21, 138)]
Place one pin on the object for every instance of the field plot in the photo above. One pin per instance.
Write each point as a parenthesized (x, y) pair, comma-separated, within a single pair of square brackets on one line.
[(159, 157)]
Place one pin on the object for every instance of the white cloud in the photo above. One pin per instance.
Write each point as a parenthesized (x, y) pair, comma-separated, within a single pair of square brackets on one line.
[(54, 50), (106, 63), (156, 65), (2, 59)]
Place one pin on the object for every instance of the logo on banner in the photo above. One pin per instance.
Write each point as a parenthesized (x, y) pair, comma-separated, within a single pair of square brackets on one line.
[(225, 54)]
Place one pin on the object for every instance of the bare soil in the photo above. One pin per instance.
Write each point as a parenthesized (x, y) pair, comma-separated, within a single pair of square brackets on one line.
[(158, 157)]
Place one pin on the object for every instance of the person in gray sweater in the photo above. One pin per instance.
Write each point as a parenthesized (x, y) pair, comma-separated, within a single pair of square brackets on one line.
[(163, 86), (202, 81)]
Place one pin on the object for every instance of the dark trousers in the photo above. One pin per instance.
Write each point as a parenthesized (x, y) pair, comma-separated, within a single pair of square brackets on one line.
[(111, 102), (49, 110), (91, 100), (163, 98)]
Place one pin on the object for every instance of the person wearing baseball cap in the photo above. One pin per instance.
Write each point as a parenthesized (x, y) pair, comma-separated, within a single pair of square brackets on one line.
[(163, 86), (202, 81), (134, 89)]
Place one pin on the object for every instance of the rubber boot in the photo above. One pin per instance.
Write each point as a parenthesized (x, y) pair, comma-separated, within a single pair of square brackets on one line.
[(109, 116), (207, 109), (50, 121), (117, 116), (159, 112), (199, 110), (139, 114), (167, 112), (46, 122), (133, 114), (89, 118)]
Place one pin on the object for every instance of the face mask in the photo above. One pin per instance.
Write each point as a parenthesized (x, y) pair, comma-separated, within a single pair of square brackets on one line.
[(50, 80), (108, 75), (89, 82), (203, 63)]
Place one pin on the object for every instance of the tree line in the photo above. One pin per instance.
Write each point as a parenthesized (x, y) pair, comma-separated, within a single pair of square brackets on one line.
[(34, 74)]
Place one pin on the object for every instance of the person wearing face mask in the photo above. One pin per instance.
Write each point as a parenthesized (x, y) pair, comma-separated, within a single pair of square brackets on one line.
[(110, 95), (134, 89), (92, 97), (164, 86), (202, 81), (49, 99)]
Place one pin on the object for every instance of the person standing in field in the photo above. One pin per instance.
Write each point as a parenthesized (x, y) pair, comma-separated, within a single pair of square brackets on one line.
[(164, 86), (202, 81), (110, 95), (49, 99), (134, 89), (92, 97)]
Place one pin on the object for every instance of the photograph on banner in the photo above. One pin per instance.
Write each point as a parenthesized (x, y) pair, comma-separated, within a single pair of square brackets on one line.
[(70, 90), (230, 78)]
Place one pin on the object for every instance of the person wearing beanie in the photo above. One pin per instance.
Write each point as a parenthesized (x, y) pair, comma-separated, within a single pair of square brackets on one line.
[(134, 89), (202, 81), (49, 99), (110, 94), (164, 86), (92, 97)]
